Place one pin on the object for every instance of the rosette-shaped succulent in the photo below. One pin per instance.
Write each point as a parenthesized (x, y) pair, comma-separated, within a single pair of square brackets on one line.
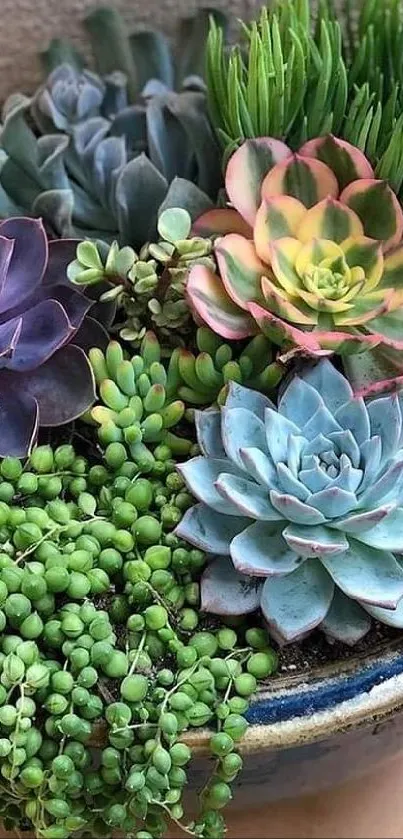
[(68, 97), (312, 254), (303, 506), (45, 377)]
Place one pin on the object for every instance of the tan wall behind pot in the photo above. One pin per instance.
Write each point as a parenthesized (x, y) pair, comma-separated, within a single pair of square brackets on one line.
[(26, 26)]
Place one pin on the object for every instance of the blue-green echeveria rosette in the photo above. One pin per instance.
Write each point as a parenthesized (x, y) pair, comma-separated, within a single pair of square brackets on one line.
[(302, 506)]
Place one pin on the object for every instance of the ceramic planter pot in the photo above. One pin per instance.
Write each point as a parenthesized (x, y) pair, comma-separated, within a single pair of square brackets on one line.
[(318, 730)]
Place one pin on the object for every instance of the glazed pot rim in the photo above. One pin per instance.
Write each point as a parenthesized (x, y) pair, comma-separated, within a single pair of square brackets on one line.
[(297, 710)]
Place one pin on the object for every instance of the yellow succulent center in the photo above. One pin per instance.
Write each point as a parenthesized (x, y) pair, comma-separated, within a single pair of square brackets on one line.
[(331, 279)]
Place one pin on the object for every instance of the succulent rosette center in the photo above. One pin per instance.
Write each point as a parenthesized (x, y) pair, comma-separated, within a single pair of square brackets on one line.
[(303, 505)]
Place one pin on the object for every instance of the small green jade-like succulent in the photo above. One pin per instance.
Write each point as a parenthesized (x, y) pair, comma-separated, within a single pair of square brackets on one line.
[(312, 254), (149, 286), (206, 375), (302, 505), (137, 401), (100, 156)]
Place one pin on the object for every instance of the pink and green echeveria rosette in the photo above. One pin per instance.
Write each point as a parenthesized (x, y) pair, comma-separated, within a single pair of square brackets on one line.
[(310, 251)]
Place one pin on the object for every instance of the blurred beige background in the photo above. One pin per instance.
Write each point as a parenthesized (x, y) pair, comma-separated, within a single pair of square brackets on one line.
[(27, 26)]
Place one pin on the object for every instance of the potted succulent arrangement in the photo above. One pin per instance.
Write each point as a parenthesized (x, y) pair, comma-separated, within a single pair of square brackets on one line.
[(201, 420)]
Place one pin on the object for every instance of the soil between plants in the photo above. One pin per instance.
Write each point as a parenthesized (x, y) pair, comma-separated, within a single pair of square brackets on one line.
[(315, 651)]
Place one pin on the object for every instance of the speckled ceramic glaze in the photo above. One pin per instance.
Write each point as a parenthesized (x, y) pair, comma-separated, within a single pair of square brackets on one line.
[(338, 723)]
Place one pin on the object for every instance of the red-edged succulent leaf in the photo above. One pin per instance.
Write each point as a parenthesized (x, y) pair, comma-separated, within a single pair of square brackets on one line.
[(280, 304), (240, 269), (209, 299), (329, 219), (346, 161), (19, 418), (378, 208), (63, 387), (246, 171), (284, 334), (276, 218), (21, 269), (375, 372), (219, 222), (304, 178)]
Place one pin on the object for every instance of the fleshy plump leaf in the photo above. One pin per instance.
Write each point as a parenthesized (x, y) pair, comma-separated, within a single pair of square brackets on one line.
[(246, 171), (224, 591)]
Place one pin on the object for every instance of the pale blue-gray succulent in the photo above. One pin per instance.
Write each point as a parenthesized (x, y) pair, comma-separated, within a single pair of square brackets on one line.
[(302, 506), (100, 154)]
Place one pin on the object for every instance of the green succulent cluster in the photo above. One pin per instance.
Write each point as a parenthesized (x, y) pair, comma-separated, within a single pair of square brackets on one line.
[(302, 71), (205, 375), (105, 660), (148, 286), (137, 402)]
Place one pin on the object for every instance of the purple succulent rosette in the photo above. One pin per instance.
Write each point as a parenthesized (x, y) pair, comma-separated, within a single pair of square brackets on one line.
[(45, 377), (302, 506)]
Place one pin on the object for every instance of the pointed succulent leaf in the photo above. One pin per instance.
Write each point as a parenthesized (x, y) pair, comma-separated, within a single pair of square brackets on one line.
[(23, 264), (307, 179), (241, 428), (332, 385), (278, 431), (333, 501), (220, 222), (346, 161), (367, 575), (19, 418), (300, 400), (247, 497), (210, 531), (246, 171), (332, 220), (276, 218), (240, 269), (386, 422), (63, 386), (314, 541), (378, 208), (346, 621), (283, 333), (260, 466), (353, 415), (391, 617), (224, 591), (211, 302), (243, 397), (208, 429), (201, 474), (298, 602), (295, 511), (185, 194), (140, 190), (45, 328), (358, 523), (261, 551), (386, 535)]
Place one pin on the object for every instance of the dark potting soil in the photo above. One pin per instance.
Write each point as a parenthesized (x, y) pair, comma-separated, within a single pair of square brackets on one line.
[(316, 651)]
